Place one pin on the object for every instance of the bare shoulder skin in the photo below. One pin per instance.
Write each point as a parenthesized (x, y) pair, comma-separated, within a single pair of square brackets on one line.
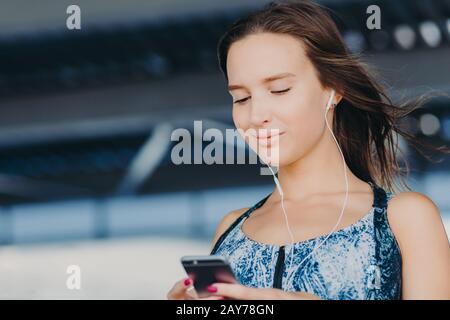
[(225, 222), (419, 230)]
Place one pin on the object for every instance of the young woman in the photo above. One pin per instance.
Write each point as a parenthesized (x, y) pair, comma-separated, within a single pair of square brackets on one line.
[(283, 66)]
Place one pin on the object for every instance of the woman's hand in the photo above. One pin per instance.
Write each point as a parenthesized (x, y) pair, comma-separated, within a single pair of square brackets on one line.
[(184, 290), (240, 292)]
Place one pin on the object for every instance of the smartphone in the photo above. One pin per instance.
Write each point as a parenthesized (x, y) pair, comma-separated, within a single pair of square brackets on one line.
[(206, 270)]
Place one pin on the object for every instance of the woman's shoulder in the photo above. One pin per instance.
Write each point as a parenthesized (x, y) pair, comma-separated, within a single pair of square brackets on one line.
[(411, 205), (417, 224), (226, 221), (413, 215), (229, 218)]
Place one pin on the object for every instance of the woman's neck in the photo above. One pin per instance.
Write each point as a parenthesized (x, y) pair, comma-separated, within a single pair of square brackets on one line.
[(321, 170)]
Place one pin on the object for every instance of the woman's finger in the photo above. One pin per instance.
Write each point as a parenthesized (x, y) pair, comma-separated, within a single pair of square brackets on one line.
[(191, 294), (179, 290), (235, 291), (211, 298), (241, 292)]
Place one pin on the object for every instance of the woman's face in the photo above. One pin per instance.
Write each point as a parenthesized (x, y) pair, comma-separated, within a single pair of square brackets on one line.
[(292, 101)]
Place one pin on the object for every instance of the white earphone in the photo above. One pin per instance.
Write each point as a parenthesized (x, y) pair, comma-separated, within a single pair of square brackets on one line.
[(280, 190), (329, 104)]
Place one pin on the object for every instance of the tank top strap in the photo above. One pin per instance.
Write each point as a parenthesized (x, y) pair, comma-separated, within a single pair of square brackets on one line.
[(379, 196), (379, 218), (384, 241), (236, 222)]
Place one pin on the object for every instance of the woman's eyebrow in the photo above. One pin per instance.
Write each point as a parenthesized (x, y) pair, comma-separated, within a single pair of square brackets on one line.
[(266, 80)]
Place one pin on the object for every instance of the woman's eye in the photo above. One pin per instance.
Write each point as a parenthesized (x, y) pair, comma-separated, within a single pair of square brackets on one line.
[(282, 91), (242, 100), (276, 92)]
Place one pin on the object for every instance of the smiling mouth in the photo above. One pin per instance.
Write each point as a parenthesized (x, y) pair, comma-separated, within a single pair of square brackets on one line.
[(269, 139)]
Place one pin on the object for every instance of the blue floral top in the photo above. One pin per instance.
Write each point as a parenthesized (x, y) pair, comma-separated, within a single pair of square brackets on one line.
[(360, 261)]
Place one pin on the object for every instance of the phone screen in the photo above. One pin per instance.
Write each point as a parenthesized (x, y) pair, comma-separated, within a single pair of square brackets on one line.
[(206, 270)]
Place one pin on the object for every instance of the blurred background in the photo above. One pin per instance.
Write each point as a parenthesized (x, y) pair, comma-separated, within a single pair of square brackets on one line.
[(86, 176)]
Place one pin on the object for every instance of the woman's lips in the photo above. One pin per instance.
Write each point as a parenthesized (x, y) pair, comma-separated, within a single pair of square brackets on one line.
[(269, 140)]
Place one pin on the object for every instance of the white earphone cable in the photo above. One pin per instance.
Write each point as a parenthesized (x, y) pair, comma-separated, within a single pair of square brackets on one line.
[(280, 190)]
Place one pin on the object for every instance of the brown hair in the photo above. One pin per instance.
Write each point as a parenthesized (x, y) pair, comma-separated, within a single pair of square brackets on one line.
[(366, 119)]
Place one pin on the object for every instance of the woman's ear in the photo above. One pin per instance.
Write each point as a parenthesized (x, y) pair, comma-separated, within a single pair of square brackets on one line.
[(338, 98)]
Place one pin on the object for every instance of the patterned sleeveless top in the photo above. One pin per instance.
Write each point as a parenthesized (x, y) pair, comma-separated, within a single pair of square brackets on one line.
[(361, 261)]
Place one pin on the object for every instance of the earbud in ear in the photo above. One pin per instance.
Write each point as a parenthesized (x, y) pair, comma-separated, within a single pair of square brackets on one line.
[(329, 105)]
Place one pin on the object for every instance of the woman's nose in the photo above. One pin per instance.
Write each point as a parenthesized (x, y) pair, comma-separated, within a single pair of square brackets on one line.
[(259, 114)]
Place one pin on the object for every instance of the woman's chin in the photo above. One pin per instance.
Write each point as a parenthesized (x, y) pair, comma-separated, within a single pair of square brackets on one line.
[(270, 159), (269, 155)]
